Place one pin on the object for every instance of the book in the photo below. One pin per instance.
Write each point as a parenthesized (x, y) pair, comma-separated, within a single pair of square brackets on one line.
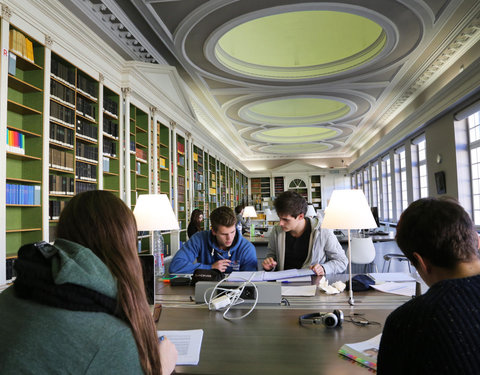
[(364, 352), (188, 344)]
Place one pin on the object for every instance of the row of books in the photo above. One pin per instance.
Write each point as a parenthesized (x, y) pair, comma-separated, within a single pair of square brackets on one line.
[(110, 106), (181, 181), (200, 196), (86, 108), (109, 148), (62, 93), (55, 208), (86, 171), (197, 176), (61, 185), (181, 160), (138, 167), (86, 151), (133, 147), (80, 187), (87, 85), (61, 135), (15, 142), (141, 154), (110, 127), (61, 159), (63, 71), (106, 164), (198, 186), (62, 114), (180, 147), (87, 129), (162, 163), (23, 194), (21, 45)]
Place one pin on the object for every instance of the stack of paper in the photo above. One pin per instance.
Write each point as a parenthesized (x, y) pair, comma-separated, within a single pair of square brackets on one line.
[(188, 344)]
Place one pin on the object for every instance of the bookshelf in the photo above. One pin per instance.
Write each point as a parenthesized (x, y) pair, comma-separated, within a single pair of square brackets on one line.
[(222, 181), (164, 171), (316, 190), (24, 148), (231, 188), (111, 147), (279, 185), (198, 179), (139, 156), (73, 140), (212, 188), (181, 187)]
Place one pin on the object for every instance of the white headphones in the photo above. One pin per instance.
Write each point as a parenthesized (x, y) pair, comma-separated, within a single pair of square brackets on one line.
[(329, 320)]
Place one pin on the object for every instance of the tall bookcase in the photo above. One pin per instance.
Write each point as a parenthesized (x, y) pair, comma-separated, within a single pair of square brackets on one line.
[(110, 134), (212, 186), (24, 154), (138, 153), (316, 190), (198, 179), (231, 188), (279, 185), (73, 140), (222, 181), (164, 171), (181, 187)]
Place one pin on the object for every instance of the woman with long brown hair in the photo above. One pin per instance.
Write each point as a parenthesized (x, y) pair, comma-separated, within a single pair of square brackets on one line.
[(196, 220), (79, 306)]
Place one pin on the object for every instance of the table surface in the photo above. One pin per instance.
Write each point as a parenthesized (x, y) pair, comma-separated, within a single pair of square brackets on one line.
[(270, 340)]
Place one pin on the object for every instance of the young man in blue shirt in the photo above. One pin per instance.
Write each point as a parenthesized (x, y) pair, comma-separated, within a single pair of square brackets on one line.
[(222, 248)]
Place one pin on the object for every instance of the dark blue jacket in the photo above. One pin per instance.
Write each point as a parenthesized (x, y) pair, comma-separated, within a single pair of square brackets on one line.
[(201, 251)]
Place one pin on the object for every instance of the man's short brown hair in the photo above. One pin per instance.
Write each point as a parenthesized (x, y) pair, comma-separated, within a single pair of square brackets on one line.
[(290, 203), (222, 216)]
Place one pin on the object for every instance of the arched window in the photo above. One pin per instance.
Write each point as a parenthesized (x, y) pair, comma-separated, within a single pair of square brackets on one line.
[(299, 186)]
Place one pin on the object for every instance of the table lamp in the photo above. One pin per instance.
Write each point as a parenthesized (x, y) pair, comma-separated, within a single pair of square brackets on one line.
[(249, 212), (271, 215), (311, 211), (153, 212), (348, 209)]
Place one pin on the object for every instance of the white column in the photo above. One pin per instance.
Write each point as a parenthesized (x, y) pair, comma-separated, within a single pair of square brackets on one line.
[(126, 145), (101, 79), (46, 137)]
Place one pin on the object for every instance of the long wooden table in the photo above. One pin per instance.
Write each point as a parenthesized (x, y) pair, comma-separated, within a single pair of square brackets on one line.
[(270, 340)]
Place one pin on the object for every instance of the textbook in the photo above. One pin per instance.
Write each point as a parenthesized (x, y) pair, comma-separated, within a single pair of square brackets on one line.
[(364, 352)]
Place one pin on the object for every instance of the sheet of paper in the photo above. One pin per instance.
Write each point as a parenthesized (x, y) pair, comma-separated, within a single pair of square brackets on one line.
[(368, 347), (188, 344), (304, 290), (403, 289), (300, 279), (391, 276), (245, 276), (286, 274)]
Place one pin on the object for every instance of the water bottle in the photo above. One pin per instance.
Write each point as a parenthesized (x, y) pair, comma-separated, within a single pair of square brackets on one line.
[(158, 253)]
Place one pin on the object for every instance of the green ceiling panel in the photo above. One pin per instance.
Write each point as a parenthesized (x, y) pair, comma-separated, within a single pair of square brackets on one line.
[(304, 44), (294, 135), (296, 148)]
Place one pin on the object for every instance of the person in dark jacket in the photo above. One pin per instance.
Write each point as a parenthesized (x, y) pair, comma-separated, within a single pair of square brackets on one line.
[(79, 306), (222, 248), (438, 332), (196, 222)]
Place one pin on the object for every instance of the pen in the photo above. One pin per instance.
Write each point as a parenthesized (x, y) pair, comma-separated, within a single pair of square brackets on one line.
[(161, 338)]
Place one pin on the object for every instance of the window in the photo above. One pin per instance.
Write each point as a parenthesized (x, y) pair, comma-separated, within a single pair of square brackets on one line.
[(375, 185), (366, 184), (419, 168), (474, 135), (387, 211), (401, 169)]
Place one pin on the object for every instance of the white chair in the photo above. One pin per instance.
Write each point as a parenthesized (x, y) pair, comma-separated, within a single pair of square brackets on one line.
[(363, 251)]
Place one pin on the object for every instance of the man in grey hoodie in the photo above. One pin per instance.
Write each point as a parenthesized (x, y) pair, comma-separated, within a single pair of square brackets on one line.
[(300, 242)]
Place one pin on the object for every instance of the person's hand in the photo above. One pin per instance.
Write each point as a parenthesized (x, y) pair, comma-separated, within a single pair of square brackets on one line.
[(168, 355), (269, 264), (318, 269), (221, 264)]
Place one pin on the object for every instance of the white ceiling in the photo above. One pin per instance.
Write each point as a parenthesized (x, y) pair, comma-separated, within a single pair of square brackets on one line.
[(319, 81)]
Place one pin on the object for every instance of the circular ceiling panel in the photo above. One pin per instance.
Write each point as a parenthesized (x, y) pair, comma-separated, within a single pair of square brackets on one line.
[(300, 44), (297, 134), (296, 148), (294, 111)]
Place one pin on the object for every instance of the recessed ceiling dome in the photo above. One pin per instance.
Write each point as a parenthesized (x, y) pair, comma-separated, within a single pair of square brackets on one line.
[(294, 111), (296, 148), (295, 134), (300, 44)]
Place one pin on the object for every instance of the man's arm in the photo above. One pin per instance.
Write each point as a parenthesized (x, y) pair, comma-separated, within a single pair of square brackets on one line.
[(248, 261), (184, 259), (336, 259), (270, 261)]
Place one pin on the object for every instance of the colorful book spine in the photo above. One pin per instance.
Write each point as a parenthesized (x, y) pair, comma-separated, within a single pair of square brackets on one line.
[(15, 142), (23, 194)]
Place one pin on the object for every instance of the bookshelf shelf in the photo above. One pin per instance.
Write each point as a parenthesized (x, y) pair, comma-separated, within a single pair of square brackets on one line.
[(23, 230), (22, 109), (22, 86)]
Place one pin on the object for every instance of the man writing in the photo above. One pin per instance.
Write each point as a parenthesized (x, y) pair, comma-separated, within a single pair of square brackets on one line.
[(222, 248), (300, 242), (438, 332)]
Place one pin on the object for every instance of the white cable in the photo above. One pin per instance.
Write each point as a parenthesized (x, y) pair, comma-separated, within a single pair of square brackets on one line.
[(233, 295)]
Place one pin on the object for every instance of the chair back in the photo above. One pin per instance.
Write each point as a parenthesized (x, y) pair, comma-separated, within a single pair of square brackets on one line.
[(363, 250)]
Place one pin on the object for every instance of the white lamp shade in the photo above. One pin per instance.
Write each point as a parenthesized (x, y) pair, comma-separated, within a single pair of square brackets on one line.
[(311, 211), (154, 212), (271, 215), (249, 211), (348, 209)]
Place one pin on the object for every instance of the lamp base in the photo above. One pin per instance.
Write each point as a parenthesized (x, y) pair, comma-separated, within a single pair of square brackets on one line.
[(351, 301)]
